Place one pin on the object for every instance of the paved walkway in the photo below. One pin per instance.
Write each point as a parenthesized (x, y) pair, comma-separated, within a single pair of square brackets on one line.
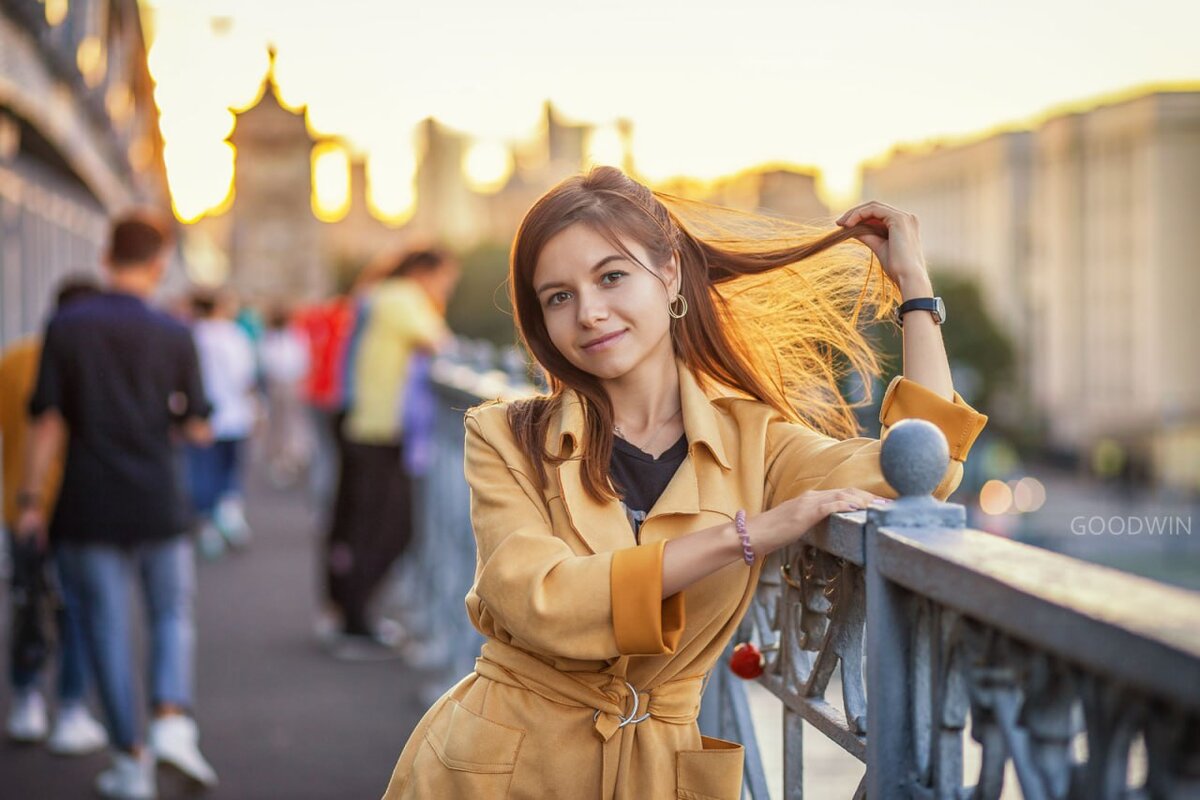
[(278, 718)]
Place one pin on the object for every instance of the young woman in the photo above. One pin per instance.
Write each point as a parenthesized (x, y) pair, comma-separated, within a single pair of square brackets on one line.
[(692, 427)]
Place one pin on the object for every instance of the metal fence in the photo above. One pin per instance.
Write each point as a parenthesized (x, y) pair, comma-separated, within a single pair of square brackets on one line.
[(1081, 681)]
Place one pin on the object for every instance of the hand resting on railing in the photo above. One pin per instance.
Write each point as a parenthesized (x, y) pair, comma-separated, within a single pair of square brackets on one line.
[(697, 555)]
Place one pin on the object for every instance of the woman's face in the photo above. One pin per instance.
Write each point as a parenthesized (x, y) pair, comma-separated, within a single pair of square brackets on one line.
[(605, 313)]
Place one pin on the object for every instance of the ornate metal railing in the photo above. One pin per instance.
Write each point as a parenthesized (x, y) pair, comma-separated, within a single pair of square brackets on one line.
[(1081, 682)]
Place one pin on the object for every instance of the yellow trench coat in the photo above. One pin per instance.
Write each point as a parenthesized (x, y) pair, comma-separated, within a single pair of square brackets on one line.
[(578, 636)]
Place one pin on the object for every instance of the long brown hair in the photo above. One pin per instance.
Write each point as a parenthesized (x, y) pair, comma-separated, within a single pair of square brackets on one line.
[(759, 321)]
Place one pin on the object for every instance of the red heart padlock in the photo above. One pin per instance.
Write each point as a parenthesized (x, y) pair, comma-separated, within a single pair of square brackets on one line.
[(746, 661)]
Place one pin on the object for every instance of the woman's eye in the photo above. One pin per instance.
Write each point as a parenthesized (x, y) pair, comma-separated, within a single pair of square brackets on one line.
[(615, 274), (555, 298)]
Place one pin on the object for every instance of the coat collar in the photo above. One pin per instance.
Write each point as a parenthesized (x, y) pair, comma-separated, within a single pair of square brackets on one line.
[(699, 417), (604, 526)]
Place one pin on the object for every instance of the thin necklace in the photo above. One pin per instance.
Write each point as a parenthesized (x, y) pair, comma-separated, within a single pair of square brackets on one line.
[(617, 430)]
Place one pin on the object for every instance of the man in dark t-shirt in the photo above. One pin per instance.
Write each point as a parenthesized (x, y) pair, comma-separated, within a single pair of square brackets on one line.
[(116, 379)]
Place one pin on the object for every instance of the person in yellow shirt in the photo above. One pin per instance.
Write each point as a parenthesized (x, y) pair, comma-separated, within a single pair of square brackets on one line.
[(694, 424), (75, 730), (372, 523)]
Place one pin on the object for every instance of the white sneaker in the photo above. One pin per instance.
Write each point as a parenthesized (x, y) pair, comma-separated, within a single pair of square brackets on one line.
[(210, 542), (353, 647), (327, 627), (173, 740), (390, 632), (76, 732), (27, 718), (231, 521), (129, 777)]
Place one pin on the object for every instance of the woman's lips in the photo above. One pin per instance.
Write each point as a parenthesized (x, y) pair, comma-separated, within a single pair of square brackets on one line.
[(605, 343)]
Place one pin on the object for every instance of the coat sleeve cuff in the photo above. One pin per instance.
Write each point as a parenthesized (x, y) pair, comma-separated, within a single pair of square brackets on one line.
[(644, 623), (907, 399)]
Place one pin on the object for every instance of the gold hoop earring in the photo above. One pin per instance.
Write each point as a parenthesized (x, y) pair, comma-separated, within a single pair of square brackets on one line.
[(682, 312)]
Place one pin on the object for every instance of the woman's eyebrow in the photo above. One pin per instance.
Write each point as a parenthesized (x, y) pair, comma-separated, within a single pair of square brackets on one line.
[(598, 265)]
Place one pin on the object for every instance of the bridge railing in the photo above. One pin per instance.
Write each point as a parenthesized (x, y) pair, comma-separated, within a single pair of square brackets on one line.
[(1081, 681)]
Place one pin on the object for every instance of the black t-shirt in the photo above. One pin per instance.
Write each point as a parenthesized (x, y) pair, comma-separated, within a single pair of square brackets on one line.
[(121, 374), (642, 477)]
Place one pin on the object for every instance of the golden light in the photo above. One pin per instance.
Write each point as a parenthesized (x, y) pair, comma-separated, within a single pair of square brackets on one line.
[(331, 181), (390, 194), (209, 176), (995, 497), (118, 101), (604, 146), (487, 166), (89, 57), (1029, 494), (56, 12)]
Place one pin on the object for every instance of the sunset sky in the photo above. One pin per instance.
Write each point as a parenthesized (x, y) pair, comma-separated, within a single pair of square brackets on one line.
[(712, 88)]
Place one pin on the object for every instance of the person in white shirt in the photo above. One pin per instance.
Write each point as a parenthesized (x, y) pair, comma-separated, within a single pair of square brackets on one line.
[(284, 356), (229, 369)]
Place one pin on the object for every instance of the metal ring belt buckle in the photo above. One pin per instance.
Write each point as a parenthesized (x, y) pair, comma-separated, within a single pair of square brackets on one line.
[(633, 718), (637, 701)]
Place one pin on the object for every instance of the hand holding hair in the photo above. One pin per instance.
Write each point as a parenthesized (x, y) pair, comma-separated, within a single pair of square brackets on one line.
[(897, 245)]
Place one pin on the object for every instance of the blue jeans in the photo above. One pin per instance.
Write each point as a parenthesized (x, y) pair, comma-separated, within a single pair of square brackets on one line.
[(102, 577), (72, 656), (213, 472)]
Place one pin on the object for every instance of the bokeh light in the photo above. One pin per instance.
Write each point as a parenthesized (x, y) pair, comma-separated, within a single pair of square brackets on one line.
[(487, 166), (1028, 494), (995, 497), (331, 181)]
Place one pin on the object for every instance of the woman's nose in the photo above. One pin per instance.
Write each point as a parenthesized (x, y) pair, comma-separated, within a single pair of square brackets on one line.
[(591, 311)]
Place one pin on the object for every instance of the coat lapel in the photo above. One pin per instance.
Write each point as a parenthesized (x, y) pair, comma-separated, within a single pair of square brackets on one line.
[(702, 480), (601, 526)]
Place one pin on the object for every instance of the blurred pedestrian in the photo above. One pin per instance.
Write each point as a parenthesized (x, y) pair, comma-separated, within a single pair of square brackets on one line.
[(229, 369), (116, 378), (283, 354), (373, 516), (326, 329), (75, 732)]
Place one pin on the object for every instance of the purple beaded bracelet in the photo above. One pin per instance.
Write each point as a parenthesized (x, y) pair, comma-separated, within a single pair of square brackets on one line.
[(739, 522)]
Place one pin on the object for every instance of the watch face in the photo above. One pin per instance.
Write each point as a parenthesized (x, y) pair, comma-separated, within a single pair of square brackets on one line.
[(941, 310)]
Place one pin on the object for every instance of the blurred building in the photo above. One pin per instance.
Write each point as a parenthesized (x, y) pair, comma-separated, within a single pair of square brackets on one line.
[(1076, 233), (274, 245), (277, 248), (79, 142), (774, 191), (359, 236), (449, 209)]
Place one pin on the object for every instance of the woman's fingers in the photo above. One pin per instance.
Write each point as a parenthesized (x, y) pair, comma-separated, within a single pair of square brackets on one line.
[(869, 210), (859, 498)]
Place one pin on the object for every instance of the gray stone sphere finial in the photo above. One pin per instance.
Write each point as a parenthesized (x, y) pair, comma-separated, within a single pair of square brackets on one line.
[(914, 457)]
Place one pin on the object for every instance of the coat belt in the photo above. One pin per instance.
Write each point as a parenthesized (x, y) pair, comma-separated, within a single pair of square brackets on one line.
[(619, 705)]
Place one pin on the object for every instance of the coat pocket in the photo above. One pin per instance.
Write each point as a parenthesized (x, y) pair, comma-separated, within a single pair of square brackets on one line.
[(464, 755), (714, 773)]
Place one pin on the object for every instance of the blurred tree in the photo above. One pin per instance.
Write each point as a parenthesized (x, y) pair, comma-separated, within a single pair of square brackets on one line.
[(974, 340), (480, 308)]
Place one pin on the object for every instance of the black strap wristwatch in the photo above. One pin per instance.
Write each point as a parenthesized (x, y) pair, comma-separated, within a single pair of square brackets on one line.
[(933, 305)]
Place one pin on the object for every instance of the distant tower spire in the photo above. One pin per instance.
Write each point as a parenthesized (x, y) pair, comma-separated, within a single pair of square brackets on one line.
[(272, 51), (625, 131)]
